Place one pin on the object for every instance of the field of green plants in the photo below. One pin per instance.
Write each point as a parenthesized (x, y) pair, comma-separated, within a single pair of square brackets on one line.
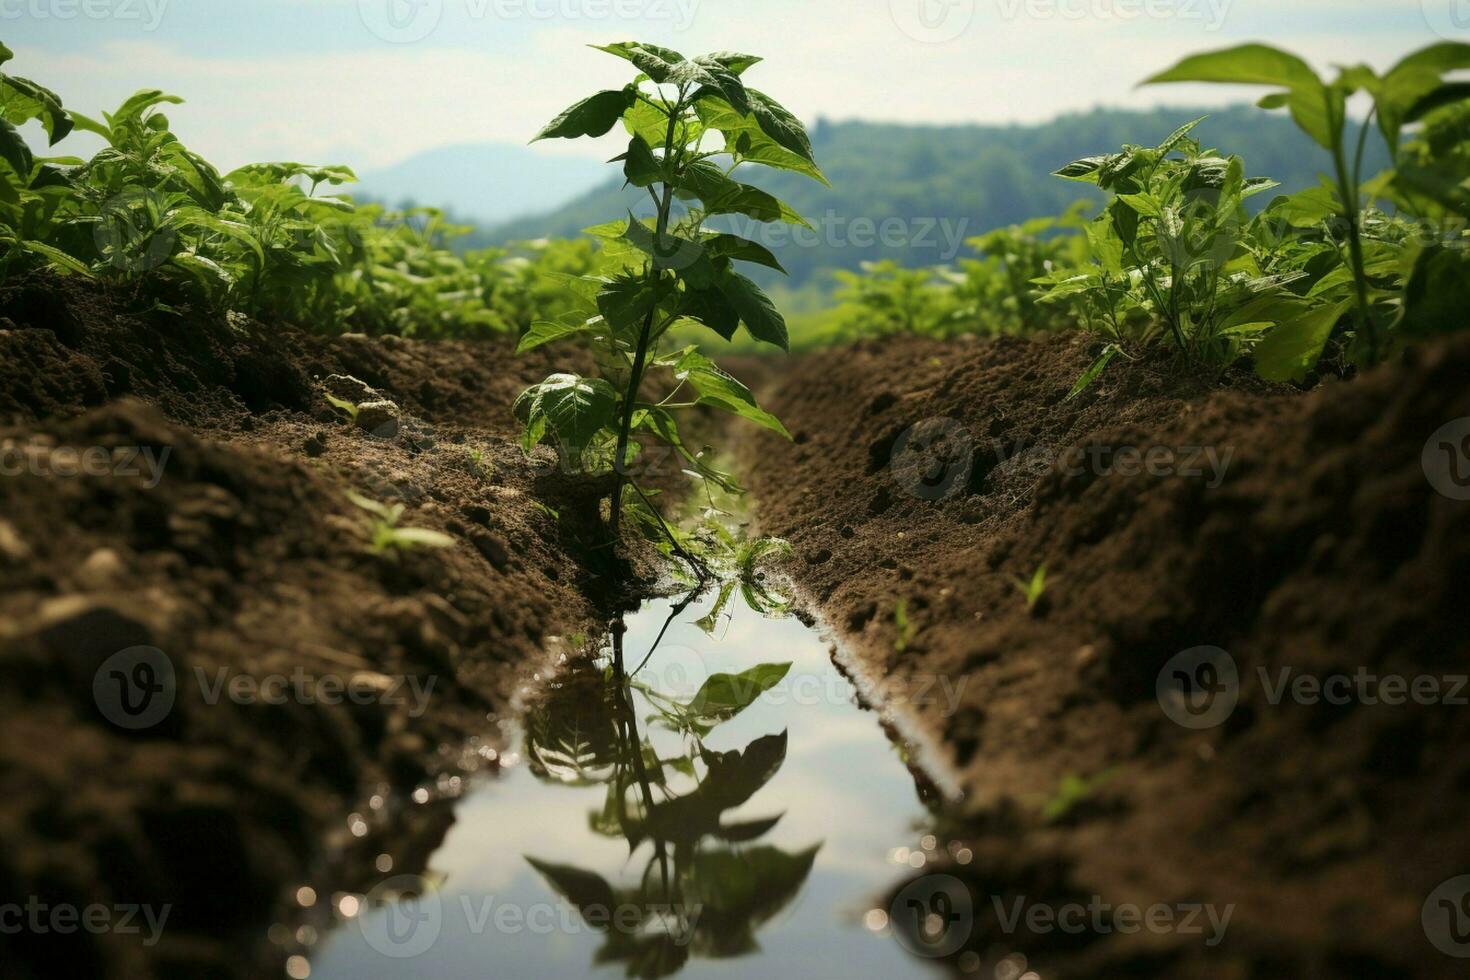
[(1195, 252), (1191, 251)]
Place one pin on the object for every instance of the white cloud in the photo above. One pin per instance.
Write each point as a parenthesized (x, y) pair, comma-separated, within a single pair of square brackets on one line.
[(368, 103)]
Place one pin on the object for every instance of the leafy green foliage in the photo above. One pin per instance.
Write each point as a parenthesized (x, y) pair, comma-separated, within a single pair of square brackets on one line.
[(671, 271), (1411, 88), (1183, 253), (147, 212)]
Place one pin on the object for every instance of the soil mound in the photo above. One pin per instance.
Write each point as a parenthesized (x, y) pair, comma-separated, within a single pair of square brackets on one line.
[(1302, 535)]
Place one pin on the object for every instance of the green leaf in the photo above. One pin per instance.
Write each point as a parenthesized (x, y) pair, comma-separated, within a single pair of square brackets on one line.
[(711, 308), (22, 100), (57, 257), (592, 116), (625, 303), (1437, 293), (722, 195), (544, 332), (715, 78), (1177, 137), (1086, 170), (745, 137), (781, 126), (735, 247), (723, 696), (1294, 347), (720, 390), (572, 409), (243, 233), (640, 167), (1094, 371), (654, 61), (732, 60), (1145, 204), (1248, 64), (669, 251), (14, 151), (756, 310)]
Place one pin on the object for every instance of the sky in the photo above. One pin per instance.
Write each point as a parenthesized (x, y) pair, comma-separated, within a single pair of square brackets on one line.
[(371, 82)]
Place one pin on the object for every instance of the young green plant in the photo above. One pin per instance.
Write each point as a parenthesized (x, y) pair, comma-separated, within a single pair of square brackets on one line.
[(690, 123), (1320, 108)]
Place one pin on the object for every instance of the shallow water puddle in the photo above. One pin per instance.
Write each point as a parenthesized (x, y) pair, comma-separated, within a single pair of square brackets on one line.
[(754, 835)]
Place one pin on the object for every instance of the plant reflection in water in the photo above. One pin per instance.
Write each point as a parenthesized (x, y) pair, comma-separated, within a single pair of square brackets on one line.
[(707, 884)]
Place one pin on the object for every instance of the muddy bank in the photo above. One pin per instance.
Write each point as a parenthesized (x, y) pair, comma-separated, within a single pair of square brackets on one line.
[(180, 483), (1296, 533)]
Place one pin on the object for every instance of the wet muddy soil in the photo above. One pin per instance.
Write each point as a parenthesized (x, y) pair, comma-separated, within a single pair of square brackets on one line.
[(1137, 731), (295, 713)]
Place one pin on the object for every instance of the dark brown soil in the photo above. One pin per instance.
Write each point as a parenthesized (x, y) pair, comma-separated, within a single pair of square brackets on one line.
[(1321, 547), (241, 556)]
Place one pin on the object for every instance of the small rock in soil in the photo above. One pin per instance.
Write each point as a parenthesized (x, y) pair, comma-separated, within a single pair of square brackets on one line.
[(378, 418)]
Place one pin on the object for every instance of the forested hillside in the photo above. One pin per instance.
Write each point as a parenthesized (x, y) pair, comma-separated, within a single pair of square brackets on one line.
[(945, 184)]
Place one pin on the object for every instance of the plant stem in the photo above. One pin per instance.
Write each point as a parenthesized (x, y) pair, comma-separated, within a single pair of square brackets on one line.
[(1347, 190), (640, 356)]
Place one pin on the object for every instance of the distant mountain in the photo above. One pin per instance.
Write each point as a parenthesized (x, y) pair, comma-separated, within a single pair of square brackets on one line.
[(934, 186), (487, 183)]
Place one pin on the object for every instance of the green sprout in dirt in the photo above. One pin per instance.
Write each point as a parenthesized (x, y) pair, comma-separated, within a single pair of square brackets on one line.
[(690, 123), (344, 407), (904, 625), (1073, 791), (384, 534), (1033, 589)]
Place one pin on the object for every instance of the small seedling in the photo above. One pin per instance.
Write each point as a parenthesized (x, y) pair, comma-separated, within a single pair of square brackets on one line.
[(386, 537), (1072, 791), (347, 409), (904, 625), (1035, 588), (480, 464)]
